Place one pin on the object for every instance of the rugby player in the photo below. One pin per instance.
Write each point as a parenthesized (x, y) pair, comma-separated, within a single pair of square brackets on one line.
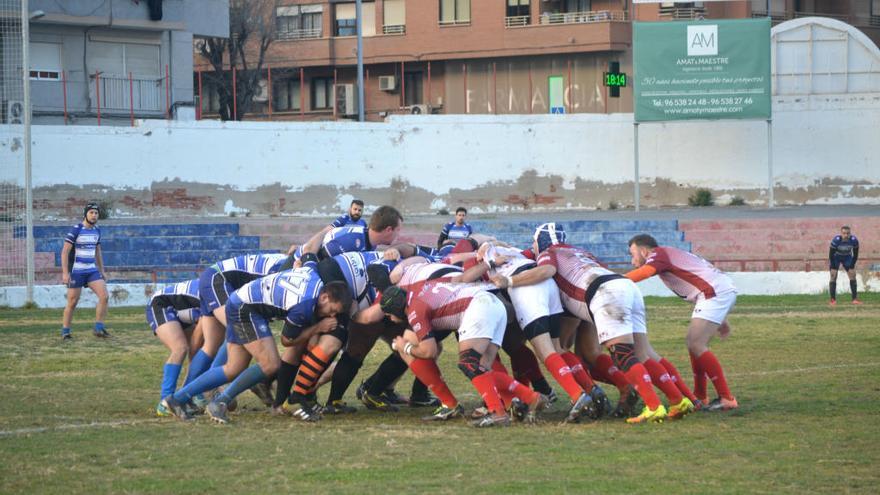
[(844, 251), (539, 312), (713, 295), (83, 266), (480, 319), (308, 308), (456, 230), (173, 313)]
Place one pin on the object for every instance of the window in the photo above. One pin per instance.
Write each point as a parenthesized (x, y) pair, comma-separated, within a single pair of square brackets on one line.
[(455, 11), (577, 6), (346, 19), (285, 94), (118, 59), (875, 7), (394, 13), (298, 21), (516, 8), (45, 63), (322, 93), (210, 100), (412, 82), (776, 6)]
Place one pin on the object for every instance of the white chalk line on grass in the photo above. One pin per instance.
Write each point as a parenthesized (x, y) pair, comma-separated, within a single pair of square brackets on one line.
[(805, 369), (134, 422), (76, 426)]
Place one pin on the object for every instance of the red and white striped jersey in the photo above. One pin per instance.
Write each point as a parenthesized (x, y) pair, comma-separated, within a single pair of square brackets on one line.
[(440, 305), (575, 269), (688, 275), (421, 272)]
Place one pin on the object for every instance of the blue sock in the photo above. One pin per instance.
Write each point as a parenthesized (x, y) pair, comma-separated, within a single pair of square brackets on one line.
[(208, 380), (65, 331), (247, 379), (220, 358), (99, 326), (197, 365), (170, 372)]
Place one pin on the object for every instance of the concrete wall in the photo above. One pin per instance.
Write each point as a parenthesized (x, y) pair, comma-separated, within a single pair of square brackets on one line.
[(753, 283), (823, 151)]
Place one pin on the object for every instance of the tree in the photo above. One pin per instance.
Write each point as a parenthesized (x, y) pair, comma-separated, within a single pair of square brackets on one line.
[(251, 31)]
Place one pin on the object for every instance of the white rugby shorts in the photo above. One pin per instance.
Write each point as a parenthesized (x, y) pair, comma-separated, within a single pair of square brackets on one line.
[(716, 308), (534, 301), (618, 309), (485, 318)]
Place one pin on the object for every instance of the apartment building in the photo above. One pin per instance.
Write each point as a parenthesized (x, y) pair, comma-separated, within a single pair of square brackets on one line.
[(476, 56), (116, 60)]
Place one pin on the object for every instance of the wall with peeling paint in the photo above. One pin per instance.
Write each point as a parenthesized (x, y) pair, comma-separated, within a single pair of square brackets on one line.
[(825, 150)]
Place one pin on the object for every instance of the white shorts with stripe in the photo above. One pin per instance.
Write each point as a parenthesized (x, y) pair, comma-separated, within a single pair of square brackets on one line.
[(534, 301), (485, 318), (716, 308)]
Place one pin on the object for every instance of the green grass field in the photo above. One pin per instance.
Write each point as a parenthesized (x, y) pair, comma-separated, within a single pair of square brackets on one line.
[(78, 418)]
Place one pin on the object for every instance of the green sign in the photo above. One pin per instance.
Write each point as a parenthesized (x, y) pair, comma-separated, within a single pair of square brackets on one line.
[(615, 79), (709, 69)]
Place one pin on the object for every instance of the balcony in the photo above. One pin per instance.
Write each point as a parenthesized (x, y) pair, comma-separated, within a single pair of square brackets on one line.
[(298, 34), (121, 94), (454, 22), (394, 29), (682, 13), (582, 17), (516, 21)]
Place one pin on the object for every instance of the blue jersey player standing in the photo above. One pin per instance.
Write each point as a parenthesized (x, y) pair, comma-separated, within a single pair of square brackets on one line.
[(299, 297), (844, 251), (456, 230), (353, 217), (82, 266)]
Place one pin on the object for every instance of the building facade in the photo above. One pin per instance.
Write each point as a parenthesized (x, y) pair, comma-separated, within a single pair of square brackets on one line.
[(116, 60), (476, 57)]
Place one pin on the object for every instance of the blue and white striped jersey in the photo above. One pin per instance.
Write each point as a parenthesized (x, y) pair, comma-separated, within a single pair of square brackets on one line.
[(85, 242), (346, 239), (345, 220), (183, 297), (354, 267), (843, 248), (255, 264), (291, 295), (456, 232)]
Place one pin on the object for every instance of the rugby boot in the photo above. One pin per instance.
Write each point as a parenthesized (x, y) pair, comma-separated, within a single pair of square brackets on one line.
[(538, 405), (392, 397), (626, 406), (518, 410), (264, 393), (377, 403), (217, 412), (721, 404), (649, 416), (176, 408), (444, 413), (681, 409), (602, 404), (337, 407), (491, 420), (163, 411), (426, 400), (582, 406)]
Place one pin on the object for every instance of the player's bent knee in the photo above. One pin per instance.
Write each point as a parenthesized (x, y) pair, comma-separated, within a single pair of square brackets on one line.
[(537, 327), (624, 356), (469, 363)]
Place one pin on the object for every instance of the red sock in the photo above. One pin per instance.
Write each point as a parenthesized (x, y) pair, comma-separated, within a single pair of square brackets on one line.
[(605, 365), (526, 368), (427, 371), (660, 377), (506, 395), (485, 385), (562, 373), (699, 378), (640, 379), (506, 383), (676, 378), (710, 364), (577, 370)]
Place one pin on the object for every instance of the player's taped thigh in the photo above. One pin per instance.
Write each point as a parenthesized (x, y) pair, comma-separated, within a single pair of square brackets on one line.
[(469, 363), (624, 356), (538, 327)]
